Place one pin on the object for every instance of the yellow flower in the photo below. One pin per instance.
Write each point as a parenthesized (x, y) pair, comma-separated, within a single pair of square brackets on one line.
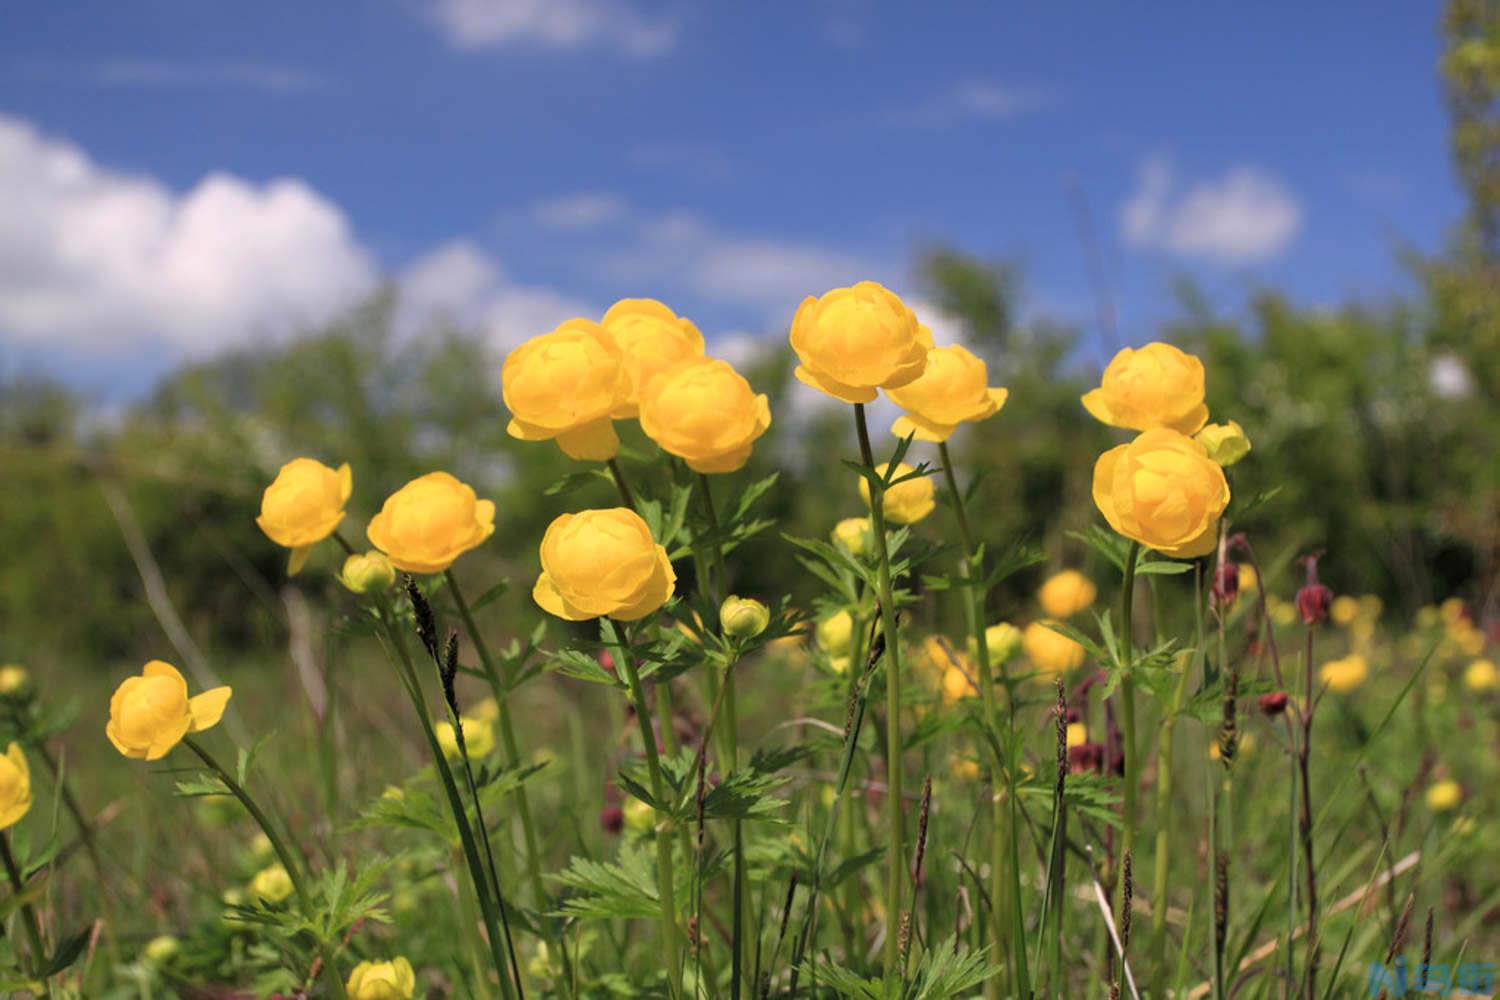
[(487, 709), (431, 521), (1345, 674), (835, 633), (150, 714), (369, 573), (1468, 638), (567, 386), (1163, 491), (839, 664), (602, 562), (13, 679), (393, 980), (652, 338), (951, 390), (853, 533), (852, 341), (964, 768), (15, 786), (1066, 593), (271, 884), (906, 502), (479, 737), (1452, 611), (304, 505), (957, 684), (1343, 610), (1226, 443), (704, 412), (1249, 579), (1481, 675), (1003, 640), (1050, 651), (1444, 796), (743, 617), (1078, 734), (1155, 386), (160, 949)]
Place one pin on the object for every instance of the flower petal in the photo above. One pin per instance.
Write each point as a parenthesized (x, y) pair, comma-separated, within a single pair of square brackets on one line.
[(208, 708), (593, 442)]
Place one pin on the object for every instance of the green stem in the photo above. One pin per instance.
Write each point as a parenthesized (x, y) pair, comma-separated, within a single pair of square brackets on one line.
[(896, 847), (1005, 875), (283, 854), (620, 482), (1127, 705), (664, 875), (33, 925), (1164, 802)]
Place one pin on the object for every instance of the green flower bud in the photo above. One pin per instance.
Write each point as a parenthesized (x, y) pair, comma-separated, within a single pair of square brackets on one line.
[(743, 617)]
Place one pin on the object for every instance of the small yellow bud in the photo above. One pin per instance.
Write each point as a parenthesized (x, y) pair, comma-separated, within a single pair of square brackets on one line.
[(639, 817), (393, 980), (13, 679), (479, 737), (1226, 442), (853, 533), (1444, 796), (743, 617), (1003, 640), (369, 573), (1481, 675), (835, 633), (271, 885), (160, 949), (1344, 610), (260, 846)]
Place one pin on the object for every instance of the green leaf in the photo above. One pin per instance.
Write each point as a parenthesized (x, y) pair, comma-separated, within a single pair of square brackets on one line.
[(66, 954)]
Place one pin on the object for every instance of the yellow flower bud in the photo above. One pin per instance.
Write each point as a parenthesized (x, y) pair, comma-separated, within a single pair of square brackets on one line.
[(1481, 675), (303, 506), (150, 714), (260, 845), (567, 386), (271, 884), (431, 521), (1003, 640), (160, 949), (602, 562), (957, 684), (964, 768), (639, 817), (907, 502), (487, 709), (13, 679), (369, 573), (1050, 651), (835, 633), (704, 412), (393, 980), (839, 664), (1078, 734), (479, 737), (853, 533), (1444, 796), (1249, 580), (1226, 443), (743, 617), (1066, 593), (950, 391), (15, 786), (652, 338), (1163, 491), (852, 341), (1345, 674), (1155, 386), (1343, 610)]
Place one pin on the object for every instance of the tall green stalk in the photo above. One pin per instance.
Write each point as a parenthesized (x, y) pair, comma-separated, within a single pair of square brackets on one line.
[(1127, 704), (666, 893), (1004, 864), (896, 848), (28, 912), (292, 864)]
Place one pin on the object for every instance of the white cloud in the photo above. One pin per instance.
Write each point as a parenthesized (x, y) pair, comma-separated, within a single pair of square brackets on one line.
[(558, 24), (266, 77), (1245, 216), (459, 284), (975, 100), (585, 210), (108, 262)]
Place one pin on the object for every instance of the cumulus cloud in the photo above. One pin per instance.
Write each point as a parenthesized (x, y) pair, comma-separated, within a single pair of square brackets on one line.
[(557, 24), (104, 261), (584, 210), (1245, 216)]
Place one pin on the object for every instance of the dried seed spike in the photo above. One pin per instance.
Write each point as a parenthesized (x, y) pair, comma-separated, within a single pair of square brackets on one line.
[(422, 611), (449, 672), (1062, 735), (1398, 939), (1427, 948), (702, 792), (903, 939), (786, 908), (1126, 902), (1229, 739), (1221, 899), (922, 813)]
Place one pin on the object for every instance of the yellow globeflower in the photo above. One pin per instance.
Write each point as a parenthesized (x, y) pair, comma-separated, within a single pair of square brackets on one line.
[(1066, 593), (567, 386), (1163, 491), (835, 633), (853, 533), (704, 412), (393, 980), (906, 502), (150, 714), (1345, 674), (13, 679), (1444, 796), (602, 562), (853, 341), (271, 885), (1226, 443), (15, 786), (479, 737), (303, 505), (1343, 610), (652, 338), (957, 684), (1481, 675), (1050, 651), (1154, 386), (431, 521), (950, 391)]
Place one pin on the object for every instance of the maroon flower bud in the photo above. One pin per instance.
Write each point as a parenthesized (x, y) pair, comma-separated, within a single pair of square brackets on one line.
[(1086, 758), (606, 661), (1313, 599), (612, 819), (1226, 585), (1273, 703)]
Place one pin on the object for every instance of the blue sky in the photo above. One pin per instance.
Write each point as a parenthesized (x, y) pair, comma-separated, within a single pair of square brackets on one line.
[(179, 177)]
